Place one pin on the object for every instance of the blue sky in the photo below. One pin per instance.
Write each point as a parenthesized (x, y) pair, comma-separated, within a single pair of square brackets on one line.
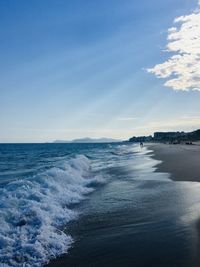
[(71, 69)]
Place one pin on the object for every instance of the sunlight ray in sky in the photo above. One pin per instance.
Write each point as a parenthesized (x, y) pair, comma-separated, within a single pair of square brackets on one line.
[(61, 63)]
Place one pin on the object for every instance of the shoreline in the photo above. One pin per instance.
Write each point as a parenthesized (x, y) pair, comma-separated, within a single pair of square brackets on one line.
[(181, 161), (118, 228)]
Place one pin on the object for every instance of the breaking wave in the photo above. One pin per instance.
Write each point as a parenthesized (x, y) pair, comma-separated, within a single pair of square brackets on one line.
[(33, 211)]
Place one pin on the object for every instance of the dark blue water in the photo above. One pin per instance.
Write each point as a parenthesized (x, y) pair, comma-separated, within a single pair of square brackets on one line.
[(94, 205), (22, 160)]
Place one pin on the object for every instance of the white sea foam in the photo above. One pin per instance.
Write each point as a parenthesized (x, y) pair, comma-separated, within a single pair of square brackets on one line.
[(32, 212)]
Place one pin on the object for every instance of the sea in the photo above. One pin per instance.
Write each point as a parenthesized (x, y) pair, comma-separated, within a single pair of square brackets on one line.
[(91, 205)]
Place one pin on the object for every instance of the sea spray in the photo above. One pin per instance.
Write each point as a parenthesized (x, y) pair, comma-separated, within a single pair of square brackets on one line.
[(33, 211)]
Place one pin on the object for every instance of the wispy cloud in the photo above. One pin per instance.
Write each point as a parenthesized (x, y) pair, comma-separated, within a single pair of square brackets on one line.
[(182, 69), (185, 123), (127, 118)]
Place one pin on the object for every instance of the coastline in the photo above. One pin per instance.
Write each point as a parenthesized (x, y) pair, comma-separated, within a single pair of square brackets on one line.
[(130, 217), (181, 161)]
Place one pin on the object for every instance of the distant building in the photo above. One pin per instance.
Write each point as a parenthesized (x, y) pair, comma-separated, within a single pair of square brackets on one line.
[(141, 139), (172, 137), (168, 136)]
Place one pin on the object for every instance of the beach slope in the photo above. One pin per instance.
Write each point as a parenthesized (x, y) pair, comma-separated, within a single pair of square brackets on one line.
[(181, 161)]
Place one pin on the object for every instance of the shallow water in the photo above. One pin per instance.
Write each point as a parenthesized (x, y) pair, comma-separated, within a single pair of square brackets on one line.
[(101, 205)]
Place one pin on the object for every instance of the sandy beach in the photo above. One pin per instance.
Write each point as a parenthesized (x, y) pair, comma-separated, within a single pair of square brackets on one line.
[(181, 161), (139, 212)]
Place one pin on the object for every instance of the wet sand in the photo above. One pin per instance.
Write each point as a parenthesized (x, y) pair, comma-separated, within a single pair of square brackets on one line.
[(135, 221), (181, 161)]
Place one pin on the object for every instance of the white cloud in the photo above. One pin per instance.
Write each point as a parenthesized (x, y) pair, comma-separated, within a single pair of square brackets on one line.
[(182, 69)]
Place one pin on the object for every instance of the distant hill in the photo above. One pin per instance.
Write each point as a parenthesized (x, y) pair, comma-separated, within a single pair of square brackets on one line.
[(90, 140), (177, 136), (169, 137)]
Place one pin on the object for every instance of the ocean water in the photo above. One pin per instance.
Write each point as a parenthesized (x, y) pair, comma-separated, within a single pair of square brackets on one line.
[(94, 205)]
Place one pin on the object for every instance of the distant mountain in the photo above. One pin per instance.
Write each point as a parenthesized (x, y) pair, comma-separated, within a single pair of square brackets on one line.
[(61, 141), (90, 140)]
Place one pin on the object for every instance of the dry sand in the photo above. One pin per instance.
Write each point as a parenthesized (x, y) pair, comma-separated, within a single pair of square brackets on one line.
[(181, 161)]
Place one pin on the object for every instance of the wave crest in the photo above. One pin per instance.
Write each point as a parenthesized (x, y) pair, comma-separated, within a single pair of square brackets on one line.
[(32, 212)]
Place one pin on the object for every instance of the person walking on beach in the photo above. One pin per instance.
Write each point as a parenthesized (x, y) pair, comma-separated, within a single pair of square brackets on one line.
[(141, 144)]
